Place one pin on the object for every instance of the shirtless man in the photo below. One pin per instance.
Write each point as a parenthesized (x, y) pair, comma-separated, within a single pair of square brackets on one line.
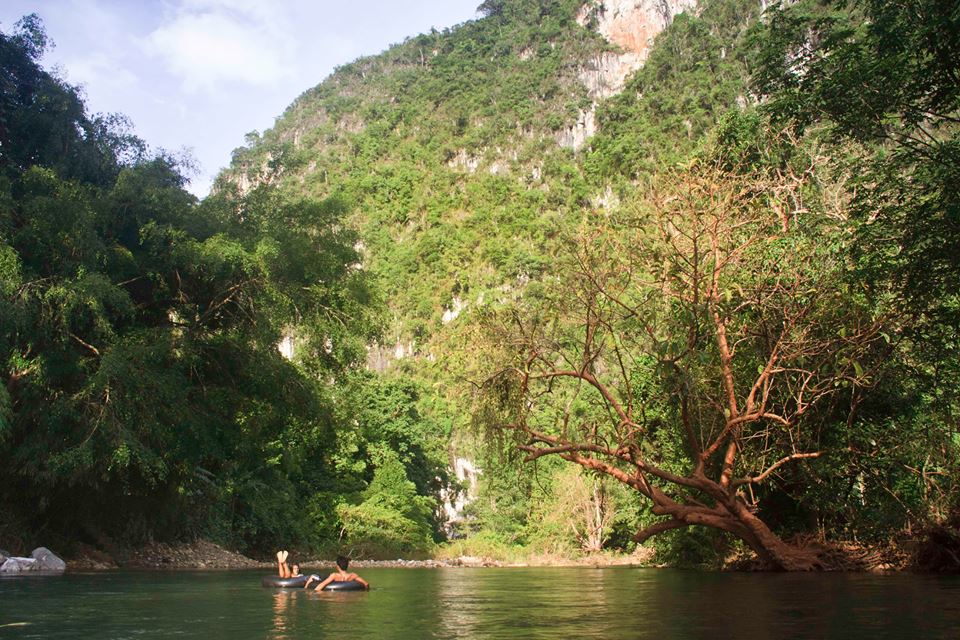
[(283, 569), (340, 575)]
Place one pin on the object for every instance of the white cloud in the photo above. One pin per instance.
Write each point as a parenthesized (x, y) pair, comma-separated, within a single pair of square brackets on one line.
[(257, 10), (208, 44), (203, 72), (99, 70), (176, 107)]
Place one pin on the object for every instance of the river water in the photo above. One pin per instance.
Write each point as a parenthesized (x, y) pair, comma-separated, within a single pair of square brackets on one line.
[(485, 603)]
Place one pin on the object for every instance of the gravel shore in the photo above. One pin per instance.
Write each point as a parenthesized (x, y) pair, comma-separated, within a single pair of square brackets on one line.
[(203, 554)]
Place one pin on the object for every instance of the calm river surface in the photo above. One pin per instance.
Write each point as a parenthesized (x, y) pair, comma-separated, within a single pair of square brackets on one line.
[(484, 603)]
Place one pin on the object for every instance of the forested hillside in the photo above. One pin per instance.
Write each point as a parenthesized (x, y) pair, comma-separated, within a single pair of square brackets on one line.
[(145, 396), (466, 160), (680, 272)]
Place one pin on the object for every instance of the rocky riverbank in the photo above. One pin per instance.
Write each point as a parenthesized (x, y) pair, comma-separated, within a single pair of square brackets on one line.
[(203, 554), (194, 555)]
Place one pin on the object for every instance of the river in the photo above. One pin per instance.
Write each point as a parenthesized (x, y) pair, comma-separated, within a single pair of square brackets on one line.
[(551, 603)]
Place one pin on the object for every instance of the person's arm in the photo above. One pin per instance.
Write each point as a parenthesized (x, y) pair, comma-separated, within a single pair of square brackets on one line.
[(328, 580), (366, 585), (313, 578)]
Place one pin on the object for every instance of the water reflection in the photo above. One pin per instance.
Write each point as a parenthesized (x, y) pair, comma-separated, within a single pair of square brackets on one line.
[(458, 607), (475, 604), (528, 603), (754, 606), (281, 611)]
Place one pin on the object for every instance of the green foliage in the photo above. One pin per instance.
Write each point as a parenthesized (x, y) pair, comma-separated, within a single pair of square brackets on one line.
[(416, 143), (44, 121), (144, 394), (699, 548), (506, 496), (695, 73), (386, 412), (876, 83), (482, 544), (393, 518), (578, 513), (815, 59), (442, 153)]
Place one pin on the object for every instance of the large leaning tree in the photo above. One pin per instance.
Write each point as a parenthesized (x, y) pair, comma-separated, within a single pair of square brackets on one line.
[(695, 348)]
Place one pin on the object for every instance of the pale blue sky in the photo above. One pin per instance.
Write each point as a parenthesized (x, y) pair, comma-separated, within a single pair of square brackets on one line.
[(199, 74)]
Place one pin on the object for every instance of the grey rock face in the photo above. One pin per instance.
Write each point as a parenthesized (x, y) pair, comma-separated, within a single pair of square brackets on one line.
[(42, 559), (47, 560), (18, 565)]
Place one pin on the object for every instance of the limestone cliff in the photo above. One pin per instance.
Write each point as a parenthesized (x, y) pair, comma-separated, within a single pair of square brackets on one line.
[(630, 25)]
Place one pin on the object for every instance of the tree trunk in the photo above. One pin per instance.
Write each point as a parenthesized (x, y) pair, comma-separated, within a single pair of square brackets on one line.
[(774, 551), (733, 516)]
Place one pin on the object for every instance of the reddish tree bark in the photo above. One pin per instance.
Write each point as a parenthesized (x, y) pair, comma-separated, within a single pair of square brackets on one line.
[(742, 318)]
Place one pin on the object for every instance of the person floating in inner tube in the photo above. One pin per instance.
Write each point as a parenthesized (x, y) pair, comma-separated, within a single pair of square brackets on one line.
[(340, 575), (284, 570)]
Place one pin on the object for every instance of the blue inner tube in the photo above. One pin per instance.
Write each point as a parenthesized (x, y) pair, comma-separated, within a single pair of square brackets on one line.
[(298, 582)]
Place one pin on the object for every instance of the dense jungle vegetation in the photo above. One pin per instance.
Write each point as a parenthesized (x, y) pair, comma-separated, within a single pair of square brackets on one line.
[(727, 322)]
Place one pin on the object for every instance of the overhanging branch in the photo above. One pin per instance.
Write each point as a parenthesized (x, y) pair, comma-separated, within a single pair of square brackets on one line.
[(667, 525), (776, 465)]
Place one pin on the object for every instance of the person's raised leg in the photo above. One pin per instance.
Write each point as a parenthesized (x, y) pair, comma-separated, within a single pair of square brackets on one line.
[(282, 567)]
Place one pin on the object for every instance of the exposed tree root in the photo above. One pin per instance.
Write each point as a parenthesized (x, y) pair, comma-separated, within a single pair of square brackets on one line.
[(811, 554)]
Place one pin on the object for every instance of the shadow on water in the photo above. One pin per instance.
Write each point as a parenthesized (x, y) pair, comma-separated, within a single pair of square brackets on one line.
[(485, 603)]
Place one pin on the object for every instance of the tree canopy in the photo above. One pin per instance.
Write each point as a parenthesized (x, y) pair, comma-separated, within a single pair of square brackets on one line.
[(733, 309)]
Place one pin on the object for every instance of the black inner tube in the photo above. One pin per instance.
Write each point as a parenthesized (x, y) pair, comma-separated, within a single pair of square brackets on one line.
[(284, 583), (298, 582), (346, 585)]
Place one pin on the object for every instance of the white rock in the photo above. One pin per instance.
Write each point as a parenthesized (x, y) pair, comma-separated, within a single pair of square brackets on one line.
[(47, 560), (18, 565)]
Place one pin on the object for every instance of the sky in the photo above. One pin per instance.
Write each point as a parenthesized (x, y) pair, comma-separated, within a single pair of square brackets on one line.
[(196, 75)]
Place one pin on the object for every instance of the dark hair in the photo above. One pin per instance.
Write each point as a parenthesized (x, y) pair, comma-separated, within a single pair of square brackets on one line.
[(343, 562)]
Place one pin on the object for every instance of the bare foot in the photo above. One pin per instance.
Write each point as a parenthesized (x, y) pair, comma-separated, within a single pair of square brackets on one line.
[(279, 556)]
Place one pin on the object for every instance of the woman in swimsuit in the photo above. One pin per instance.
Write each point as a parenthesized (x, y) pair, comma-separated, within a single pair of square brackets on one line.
[(284, 570)]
